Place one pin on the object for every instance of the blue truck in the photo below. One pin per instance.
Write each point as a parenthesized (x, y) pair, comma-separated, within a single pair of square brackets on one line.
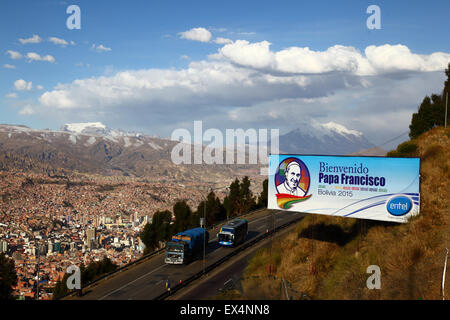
[(186, 246)]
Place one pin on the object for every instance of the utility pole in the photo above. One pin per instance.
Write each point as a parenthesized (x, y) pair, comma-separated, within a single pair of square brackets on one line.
[(443, 275), (271, 237), (446, 106), (204, 236), (285, 288)]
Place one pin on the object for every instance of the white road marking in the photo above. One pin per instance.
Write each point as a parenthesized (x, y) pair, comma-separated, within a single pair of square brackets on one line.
[(107, 295), (136, 292), (112, 292)]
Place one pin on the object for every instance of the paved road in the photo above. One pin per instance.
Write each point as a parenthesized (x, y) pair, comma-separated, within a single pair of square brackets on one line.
[(147, 280), (209, 286)]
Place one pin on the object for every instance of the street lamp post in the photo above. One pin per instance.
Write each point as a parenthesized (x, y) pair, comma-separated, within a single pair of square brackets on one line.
[(204, 225), (204, 236)]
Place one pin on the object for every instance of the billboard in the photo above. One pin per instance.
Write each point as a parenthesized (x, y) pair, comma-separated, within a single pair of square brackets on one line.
[(375, 188)]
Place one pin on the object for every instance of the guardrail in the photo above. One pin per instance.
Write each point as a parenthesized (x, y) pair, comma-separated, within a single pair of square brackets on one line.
[(141, 259), (224, 259)]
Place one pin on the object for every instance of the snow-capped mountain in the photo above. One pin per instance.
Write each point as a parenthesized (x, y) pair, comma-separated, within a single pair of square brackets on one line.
[(96, 128), (91, 148), (328, 139)]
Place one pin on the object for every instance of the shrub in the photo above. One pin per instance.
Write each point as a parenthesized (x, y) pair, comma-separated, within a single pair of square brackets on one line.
[(407, 148)]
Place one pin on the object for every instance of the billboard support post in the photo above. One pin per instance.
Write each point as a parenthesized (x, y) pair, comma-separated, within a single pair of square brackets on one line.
[(312, 271)]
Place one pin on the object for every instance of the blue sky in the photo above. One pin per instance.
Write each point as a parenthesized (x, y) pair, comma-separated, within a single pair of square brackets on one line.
[(151, 78)]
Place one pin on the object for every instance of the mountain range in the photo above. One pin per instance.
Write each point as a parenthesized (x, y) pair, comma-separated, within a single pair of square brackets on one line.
[(94, 148), (324, 139)]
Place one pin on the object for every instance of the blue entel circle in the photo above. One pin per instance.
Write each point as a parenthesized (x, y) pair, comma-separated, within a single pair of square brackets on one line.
[(399, 206)]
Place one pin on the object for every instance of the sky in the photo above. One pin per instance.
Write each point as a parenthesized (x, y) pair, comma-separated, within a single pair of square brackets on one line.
[(156, 66)]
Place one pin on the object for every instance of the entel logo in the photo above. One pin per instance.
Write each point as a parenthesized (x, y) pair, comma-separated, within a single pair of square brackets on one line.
[(399, 206)]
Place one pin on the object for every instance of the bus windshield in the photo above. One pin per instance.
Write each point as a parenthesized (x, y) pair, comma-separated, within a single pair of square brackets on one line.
[(225, 237)]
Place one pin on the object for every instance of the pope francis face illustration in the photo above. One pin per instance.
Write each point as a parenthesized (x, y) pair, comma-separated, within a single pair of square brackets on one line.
[(290, 185)]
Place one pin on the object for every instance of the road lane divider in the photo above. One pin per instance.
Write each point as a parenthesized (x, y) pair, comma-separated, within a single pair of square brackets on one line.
[(226, 258)]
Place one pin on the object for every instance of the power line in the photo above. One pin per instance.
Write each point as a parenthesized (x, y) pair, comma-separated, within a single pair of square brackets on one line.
[(395, 138)]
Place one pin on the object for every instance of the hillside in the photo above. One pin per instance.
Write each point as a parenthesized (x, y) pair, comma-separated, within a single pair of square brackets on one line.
[(334, 264), (95, 149), (373, 152), (327, 139)]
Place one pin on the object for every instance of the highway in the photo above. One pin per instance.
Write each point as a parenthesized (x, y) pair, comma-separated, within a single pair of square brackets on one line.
[(230, 271), (146, 280)]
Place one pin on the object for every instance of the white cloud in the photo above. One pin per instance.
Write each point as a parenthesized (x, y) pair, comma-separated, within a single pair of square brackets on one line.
[(220, 40), (248, 85), (58, 41), (199, 79), (72, 43), (9, 66), (14, 54), (27, 110), (81, 65), (196, 34), (11, 95), (23, 85), (388, 58), (33, 56), (100, 48), (242, 33), (217, 29), (39, 87), (301, 60), (255, 55), (185, 57), (34, 39)]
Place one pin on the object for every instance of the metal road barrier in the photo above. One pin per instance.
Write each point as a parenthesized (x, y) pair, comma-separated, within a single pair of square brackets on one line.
[(224, 259), (142, 259)]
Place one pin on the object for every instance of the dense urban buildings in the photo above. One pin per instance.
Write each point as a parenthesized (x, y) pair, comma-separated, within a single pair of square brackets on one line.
[(62, 221)]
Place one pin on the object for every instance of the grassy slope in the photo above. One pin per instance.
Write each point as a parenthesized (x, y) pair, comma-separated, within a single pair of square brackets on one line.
[(334, 264)]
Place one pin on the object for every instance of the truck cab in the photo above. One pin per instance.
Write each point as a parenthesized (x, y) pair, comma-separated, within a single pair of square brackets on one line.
[(186, 245), (176, 252)]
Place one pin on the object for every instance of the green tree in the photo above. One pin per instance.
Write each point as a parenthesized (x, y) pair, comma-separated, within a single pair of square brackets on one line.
[(60, 289), (97, 269), (247, 200), (149, 238), (215, 210), (93, 271), (218, 211), (8, 277), (194, 219), (262, 199), (231, 202), (182, 213), (158, 230), (431, 111), (240, 199)]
